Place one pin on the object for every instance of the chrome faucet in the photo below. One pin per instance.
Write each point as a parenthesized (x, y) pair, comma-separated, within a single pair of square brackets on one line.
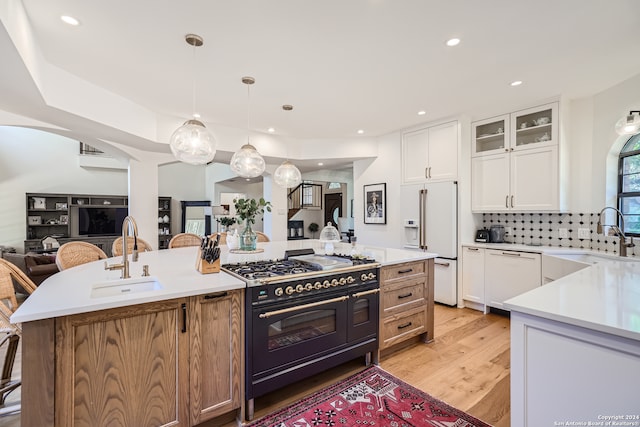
[(617, 231), (128, 225)]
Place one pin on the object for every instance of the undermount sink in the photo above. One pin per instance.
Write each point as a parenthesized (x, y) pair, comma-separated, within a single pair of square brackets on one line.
[(594, 259), (125, 286)]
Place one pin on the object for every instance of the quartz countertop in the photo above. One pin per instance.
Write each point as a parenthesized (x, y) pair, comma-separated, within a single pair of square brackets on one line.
[(603, 297), (69, 291)]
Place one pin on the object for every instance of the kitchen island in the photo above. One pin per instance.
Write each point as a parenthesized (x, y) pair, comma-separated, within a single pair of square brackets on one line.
[(575, 348), (185, 326)]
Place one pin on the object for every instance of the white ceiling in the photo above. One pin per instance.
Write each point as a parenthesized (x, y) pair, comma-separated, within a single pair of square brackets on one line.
[(344, 64)]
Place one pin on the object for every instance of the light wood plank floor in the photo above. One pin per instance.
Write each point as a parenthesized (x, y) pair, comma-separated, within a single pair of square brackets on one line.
[(466, 366)]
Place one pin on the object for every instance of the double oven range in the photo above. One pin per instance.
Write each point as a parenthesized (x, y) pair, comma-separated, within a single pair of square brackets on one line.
[(303, 315)]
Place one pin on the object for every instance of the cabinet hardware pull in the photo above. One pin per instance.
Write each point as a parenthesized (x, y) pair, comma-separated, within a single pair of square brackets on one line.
[(429, 172), (506, 201), (363, 293), (444, 264), (512, 200), (408, 270), (510, 254), (302, 307), (405, 295), (426, 173), (406, 325), (184, 318), (214, 296), (472, 249)]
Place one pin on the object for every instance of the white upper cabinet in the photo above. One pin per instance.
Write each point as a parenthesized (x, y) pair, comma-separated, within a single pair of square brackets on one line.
[(430, 154), (515, 162)]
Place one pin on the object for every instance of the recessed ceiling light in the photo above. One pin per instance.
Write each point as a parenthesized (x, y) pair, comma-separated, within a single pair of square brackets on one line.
[(516, 83), (271, 130), (248, 179), (196, 115), (453, 42), (360, 131), (320, 164), (422, 113), (70, 20)]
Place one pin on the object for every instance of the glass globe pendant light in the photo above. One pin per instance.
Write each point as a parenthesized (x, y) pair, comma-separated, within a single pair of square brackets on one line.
[(629, 125), (287, 175), (192, 143), (247, 162)]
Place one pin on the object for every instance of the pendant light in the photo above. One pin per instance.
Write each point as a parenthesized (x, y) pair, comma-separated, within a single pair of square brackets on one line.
[(287, 175), (629, 125), (247, 162), (192, 143)]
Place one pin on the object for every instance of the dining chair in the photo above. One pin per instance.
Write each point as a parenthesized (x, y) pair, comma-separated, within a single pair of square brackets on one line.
[(181, 240), (261, 237), (72, 254), (10, 333), (143, 246)]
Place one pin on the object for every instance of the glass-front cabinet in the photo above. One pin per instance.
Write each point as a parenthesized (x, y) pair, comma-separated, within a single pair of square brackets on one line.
[(490, 136), (521, 130)]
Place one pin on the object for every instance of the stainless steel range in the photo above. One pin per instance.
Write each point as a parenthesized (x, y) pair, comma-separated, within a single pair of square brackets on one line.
[(305, 314)]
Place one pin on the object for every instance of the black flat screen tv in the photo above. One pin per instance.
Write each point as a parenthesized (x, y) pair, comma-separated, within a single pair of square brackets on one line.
[(100, 220)]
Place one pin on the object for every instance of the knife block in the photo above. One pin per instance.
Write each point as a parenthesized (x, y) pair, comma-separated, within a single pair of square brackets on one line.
[(204, 267)]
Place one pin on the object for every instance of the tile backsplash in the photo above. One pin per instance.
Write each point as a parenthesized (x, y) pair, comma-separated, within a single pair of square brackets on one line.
[(542, 229)]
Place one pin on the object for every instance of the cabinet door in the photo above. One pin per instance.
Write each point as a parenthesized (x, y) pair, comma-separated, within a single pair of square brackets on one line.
[(415, 151), (490, 136), (443, 152), (534, 179), (125, 367), (508, 274), (534, 127), (490, 183), (215, 323), (473, 274)]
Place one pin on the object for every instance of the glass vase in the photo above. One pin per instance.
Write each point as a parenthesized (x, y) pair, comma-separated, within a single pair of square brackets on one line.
[(248, 239)]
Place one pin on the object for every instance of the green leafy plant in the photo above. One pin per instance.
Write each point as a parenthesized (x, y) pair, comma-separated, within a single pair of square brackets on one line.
[(226, 221), (247, 209), (313, 228)]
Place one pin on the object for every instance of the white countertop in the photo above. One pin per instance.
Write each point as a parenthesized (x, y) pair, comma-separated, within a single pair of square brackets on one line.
[(69, 291), (604, 297)]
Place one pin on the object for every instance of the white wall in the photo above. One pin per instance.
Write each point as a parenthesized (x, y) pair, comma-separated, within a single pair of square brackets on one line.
[(33, 161)]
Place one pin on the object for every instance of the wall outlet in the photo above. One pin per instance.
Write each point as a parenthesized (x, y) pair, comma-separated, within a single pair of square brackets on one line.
[(563, 233), (583, 233)]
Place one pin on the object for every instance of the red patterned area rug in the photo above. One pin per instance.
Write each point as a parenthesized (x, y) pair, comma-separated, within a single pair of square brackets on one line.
[(372, 397)]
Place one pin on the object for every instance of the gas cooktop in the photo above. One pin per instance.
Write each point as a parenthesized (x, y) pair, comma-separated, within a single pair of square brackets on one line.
[(257, 270)]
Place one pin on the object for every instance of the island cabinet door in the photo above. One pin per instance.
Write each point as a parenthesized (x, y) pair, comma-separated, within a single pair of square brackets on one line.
[(123, 367), (215, 322)]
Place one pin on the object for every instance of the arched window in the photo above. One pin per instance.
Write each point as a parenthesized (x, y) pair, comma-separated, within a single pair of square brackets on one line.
[(629, 186)]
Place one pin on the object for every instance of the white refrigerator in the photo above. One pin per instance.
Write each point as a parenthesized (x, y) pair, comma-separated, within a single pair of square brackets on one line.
[(431, 225)]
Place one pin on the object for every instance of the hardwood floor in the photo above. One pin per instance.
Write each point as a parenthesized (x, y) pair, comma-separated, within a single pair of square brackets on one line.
[(466, 366)]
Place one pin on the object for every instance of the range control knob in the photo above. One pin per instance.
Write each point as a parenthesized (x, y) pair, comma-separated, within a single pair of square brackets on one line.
[(371, 276), (334, 282), (317, 285), (289, 290), (308, 286), (350, 279), (363, 277), (326, 284), (342, 281), (299, 288), (279, 292)]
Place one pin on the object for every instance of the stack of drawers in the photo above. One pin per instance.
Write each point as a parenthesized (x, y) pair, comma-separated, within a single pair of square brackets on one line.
[(406, 302)]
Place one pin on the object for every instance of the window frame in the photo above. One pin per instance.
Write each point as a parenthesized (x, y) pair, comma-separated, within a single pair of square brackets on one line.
[(622, 194)]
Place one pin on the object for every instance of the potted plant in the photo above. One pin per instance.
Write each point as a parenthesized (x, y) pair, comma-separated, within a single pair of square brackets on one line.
[(313, 228), (226, 222), (246, 210)]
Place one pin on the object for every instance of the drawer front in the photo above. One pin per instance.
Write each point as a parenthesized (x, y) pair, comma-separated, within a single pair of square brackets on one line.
[(402, 271), (401, 327), (402, 296)]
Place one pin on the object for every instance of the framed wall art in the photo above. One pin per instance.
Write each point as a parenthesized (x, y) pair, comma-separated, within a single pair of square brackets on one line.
[(64, 219), (375, 203), (34, 220)]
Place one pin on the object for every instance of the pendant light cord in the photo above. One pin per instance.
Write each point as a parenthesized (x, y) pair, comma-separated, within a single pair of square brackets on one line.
[(193, 84), (248, 108)]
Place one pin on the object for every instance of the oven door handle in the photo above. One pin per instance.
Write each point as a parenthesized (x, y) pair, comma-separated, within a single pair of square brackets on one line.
[(363, 293), (302, 307)]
